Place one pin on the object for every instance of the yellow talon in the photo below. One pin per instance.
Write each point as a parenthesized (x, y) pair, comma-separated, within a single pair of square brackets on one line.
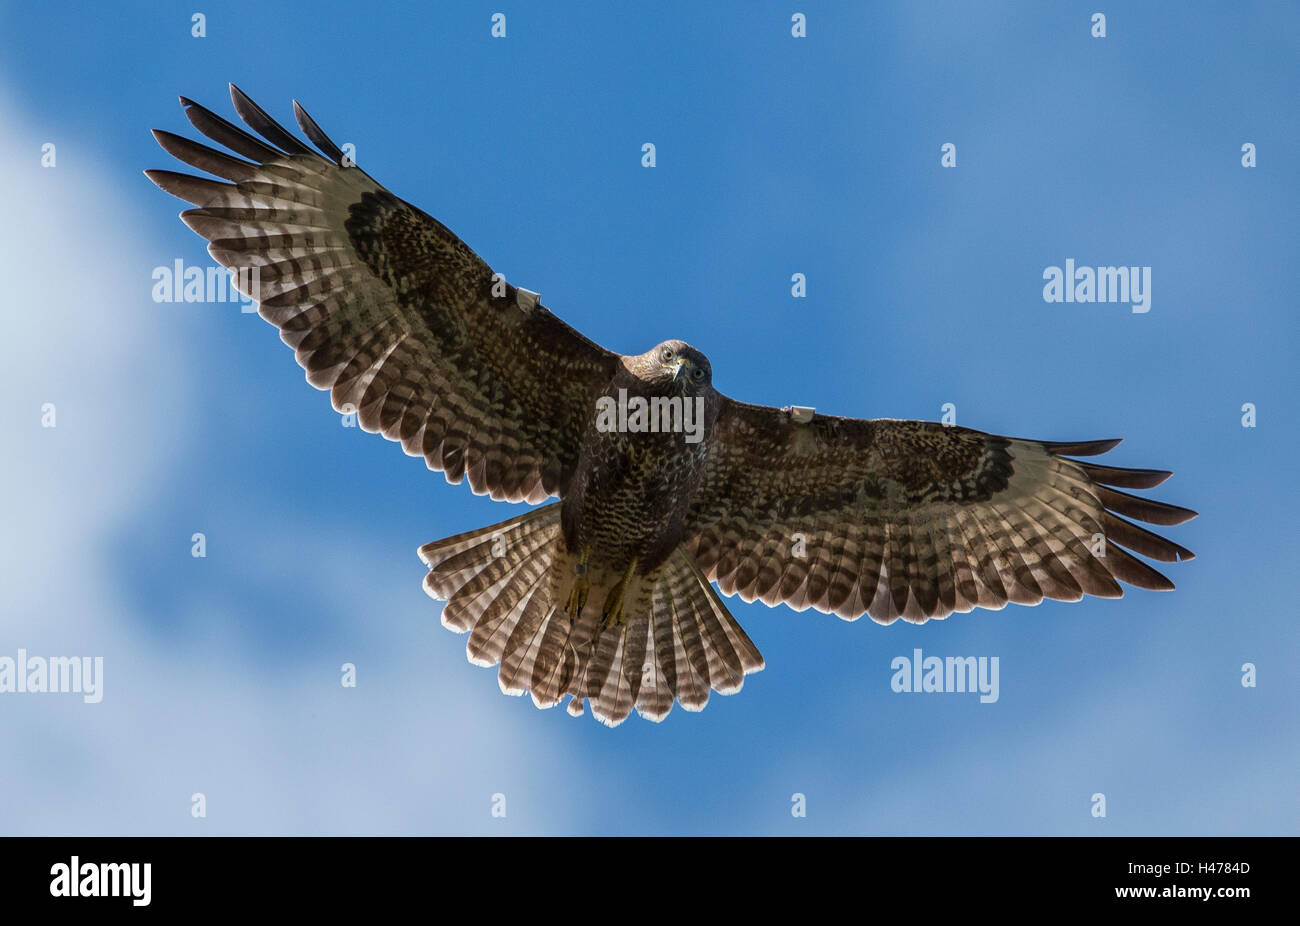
[(577, 598), (581, 588), (613, 610)]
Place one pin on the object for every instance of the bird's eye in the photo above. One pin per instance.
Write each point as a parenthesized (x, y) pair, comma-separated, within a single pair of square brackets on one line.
[(667, 355), (697, 374)]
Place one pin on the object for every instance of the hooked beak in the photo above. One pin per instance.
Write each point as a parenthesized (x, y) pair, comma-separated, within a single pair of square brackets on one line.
[(680, 367)]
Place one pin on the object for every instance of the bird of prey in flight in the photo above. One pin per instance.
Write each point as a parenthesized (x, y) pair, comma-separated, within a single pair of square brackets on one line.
[(664, 485)]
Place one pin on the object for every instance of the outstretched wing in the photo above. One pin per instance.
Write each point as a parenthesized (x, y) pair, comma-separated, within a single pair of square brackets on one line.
[(390, 311), (914, 519)]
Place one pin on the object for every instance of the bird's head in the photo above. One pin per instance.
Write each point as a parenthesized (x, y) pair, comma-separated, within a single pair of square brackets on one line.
[(675, 367)]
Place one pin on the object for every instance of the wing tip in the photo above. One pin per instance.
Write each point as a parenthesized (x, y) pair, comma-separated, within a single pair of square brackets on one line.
[(1089, 448)]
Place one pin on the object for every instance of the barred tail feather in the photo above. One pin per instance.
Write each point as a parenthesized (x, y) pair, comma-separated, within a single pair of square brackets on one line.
[(506, 585), (677, 643), (500, 583)]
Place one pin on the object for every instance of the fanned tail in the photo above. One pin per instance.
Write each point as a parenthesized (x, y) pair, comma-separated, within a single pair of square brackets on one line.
[(508, 587)]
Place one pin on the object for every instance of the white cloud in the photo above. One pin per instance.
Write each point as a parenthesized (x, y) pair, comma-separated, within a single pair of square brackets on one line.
[(265, 731)]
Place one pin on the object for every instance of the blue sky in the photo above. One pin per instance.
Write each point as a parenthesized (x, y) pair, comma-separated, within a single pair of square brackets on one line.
[(775, 155)]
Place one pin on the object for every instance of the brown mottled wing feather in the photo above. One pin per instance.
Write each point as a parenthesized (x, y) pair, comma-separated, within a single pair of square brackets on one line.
[(389, 310), (916, 520)]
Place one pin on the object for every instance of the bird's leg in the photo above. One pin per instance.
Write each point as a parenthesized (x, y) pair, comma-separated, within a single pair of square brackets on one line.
[(581, 588), (613, 610)]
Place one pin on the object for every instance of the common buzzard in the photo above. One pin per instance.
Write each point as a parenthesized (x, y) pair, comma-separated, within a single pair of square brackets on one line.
[(664, 484)]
